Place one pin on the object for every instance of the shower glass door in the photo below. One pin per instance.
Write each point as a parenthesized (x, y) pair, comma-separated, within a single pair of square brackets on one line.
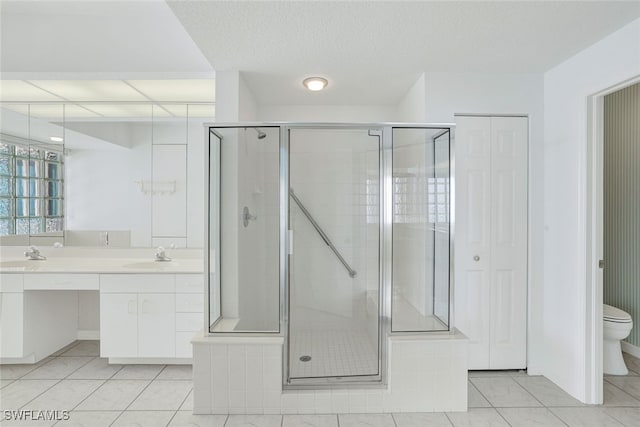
[(334, 254)]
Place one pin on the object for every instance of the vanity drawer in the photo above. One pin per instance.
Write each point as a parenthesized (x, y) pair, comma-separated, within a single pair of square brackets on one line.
[(189, 303), (190, 283), (11, 282), (135, 283), (189, 322), (61, 282)]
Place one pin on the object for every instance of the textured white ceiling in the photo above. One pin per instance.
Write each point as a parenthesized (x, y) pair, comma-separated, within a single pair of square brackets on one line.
[(372, 52), (100, 37)]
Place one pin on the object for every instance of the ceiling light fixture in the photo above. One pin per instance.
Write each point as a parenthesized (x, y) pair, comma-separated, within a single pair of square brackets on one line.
[(315, 84), (56, 138)]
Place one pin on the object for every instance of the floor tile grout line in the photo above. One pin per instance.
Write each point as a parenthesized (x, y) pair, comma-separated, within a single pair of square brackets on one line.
[(34, 367), (523, 388), (616, 419), (529, 393), (137, 396), (550, 409), (90, 394), (446, 414), (172, 417), (605, 409), (502, 416), (59, 381), (43, 392), (82, 366), (44, 379), (481, 394), (558, 417), (537, 407), (186, 397), (622, 390)]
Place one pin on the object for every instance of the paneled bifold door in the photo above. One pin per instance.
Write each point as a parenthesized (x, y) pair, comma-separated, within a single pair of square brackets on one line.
[(491, 239)]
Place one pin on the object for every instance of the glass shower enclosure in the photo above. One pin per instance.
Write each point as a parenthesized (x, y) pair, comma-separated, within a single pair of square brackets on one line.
[(333, 236)]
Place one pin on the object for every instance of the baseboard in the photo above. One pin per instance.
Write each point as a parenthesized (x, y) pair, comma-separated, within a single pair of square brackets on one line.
[(151, 360), (87, 334), (28, 360), (631, 349)]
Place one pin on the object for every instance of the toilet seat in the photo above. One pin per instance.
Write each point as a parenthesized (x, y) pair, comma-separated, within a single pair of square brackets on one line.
[(615, 315)]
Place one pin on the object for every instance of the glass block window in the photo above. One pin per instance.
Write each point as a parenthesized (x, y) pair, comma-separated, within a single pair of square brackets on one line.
[(31, 190)]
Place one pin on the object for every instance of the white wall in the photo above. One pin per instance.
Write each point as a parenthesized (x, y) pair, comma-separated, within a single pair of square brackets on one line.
[(412, 107), (103, 186), (234, 100), (567, 87), (447, 94), (326, 113), (196, 176), (100, 193), (436, 98)]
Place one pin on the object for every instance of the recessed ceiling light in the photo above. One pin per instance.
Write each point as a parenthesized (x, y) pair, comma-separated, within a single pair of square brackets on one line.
[(315, 84), (56, 138)]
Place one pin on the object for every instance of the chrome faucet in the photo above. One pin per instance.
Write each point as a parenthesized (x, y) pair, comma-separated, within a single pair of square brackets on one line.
[(33, 254), (160, 254)]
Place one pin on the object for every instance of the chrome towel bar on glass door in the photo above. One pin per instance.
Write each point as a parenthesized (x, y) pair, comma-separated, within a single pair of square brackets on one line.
[(321, 232)]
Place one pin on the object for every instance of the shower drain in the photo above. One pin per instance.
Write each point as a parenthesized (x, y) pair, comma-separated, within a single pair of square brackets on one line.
[(305, 358)]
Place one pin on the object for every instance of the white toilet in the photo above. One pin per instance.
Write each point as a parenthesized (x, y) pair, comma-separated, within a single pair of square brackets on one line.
[(616, 327)]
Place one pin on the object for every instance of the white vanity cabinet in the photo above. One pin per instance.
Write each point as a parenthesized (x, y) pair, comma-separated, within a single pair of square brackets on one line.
[(189, 311), (149, 316), (11, 324), (118, 324), (137, 315), (39, 313)]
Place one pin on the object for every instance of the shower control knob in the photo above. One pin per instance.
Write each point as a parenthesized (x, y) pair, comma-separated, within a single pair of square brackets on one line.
[(476, 258)]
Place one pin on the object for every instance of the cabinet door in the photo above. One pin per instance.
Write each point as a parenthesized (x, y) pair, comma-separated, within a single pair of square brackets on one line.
[(118, 325), (508, 242), (156, 325), (473, 234), (11, 324)]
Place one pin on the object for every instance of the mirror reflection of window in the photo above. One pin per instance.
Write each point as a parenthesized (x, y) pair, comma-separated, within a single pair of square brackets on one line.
[(31, 190)]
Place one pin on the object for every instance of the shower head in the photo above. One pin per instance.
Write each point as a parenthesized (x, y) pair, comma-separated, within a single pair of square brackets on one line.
[(261, 135)]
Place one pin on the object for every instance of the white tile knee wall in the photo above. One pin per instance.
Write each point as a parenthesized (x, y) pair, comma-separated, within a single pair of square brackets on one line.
[(243, 375)]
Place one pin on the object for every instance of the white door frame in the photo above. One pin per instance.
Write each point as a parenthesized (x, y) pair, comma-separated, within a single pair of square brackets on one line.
[(594, 240)]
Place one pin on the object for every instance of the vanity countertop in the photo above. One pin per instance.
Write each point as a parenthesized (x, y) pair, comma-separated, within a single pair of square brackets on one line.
[(101, 265)]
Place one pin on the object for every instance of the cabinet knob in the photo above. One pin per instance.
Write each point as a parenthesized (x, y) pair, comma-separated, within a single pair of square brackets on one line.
[(476, 258)]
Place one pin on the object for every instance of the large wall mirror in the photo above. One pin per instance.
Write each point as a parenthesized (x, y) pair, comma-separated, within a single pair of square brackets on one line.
[(112, 174)]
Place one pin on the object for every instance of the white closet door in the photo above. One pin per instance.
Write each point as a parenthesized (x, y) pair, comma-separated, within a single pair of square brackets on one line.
[(473, 236), (508, 242), (491, 239)]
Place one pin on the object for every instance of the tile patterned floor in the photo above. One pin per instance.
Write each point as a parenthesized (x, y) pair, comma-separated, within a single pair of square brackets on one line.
[(99, 394)]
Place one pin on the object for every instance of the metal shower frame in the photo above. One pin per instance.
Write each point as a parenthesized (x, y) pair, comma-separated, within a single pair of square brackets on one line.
[(385, 133)]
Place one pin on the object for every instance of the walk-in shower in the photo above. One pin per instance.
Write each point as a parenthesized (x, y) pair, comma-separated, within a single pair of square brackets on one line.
[(333, 236)]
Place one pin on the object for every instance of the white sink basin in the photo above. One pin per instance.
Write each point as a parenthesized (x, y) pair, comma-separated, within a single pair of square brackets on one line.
[(22, 265), (152, 265)]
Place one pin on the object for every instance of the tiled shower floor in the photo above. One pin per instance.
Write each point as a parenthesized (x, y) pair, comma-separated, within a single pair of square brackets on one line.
[(334, 353), (98, 394)]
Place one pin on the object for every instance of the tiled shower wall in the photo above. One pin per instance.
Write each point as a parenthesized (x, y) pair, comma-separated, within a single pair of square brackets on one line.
[(622, 203), (329, 173), (242, 375)]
